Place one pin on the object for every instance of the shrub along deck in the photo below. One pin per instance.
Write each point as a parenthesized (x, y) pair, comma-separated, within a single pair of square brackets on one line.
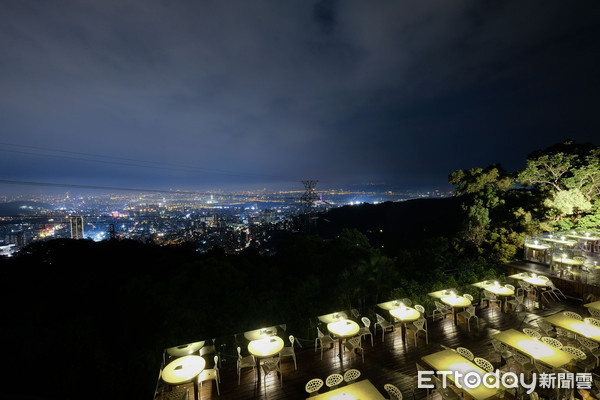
[(392, 361)]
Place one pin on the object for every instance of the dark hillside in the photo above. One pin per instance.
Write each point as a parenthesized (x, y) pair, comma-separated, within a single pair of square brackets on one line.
[(408, 222)]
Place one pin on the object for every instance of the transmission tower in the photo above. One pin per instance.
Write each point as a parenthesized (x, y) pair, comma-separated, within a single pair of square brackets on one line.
[(308, 201), (309, 197)]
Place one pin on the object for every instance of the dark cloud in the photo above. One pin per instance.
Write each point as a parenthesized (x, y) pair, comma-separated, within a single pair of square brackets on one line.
[(342, 92)]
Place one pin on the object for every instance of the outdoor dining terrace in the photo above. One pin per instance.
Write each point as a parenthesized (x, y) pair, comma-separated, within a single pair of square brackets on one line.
[(385, 342), (570, 255)]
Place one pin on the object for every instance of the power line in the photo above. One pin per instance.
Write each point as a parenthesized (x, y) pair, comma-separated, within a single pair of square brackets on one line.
[(116, 188), (130, 162)]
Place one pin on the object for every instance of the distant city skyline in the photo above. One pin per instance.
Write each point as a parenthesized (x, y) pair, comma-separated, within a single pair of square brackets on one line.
[(244, 95)]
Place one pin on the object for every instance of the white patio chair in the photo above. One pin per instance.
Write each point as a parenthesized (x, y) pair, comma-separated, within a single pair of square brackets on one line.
[(420, 368), (469, 313), (288, 351), (418, 326), (526, 289), (351, 375), (334, 380), (407, 302), (466, 353), (550, 341), (393, 391), (532, 333), (524, 363), (313, 386), (468, 296), (244, 362), (353, 344), (271, 365), (517, 302), (502, 350), (594, 313), (323, 340), (556, 291), (211, 374), (484, 364), (490, 298), (420, 309), (445, 391), (366, 330), (573, 315), (591, 348), (546, 327), (384, 325), (441, 309), (580, 360)]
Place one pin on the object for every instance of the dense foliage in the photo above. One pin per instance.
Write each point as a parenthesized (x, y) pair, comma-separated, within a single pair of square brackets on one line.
[(558, 189)]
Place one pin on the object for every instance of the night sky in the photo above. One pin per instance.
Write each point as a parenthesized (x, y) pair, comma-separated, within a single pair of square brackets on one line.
[(201, 95)]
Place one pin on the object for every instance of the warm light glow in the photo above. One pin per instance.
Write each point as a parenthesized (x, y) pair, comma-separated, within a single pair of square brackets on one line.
[(183, 369), (266, 346), (405, 314), (343, 396), (464, 367), (585, 329), (536, 349), (343, 328)]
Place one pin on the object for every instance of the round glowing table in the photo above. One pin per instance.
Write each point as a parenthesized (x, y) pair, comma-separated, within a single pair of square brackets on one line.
[(183, 370), (405, 315), (456, 302), (343, 328), (501, 291), (265, 348), (185, 350)]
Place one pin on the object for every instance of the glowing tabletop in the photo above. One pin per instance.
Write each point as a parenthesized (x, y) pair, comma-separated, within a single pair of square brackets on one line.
[(185, 350), (561, 241), (405, 314), (361, 390), (450, 360), (595, 305), (265, 347), (537, 246), (567, 261), (499, 290), (585, 237), (183, 370), (542, 352), (456, 301), (574, 325)]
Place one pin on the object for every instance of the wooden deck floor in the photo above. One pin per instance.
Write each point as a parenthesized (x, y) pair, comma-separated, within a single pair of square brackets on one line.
[(392, 361)]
